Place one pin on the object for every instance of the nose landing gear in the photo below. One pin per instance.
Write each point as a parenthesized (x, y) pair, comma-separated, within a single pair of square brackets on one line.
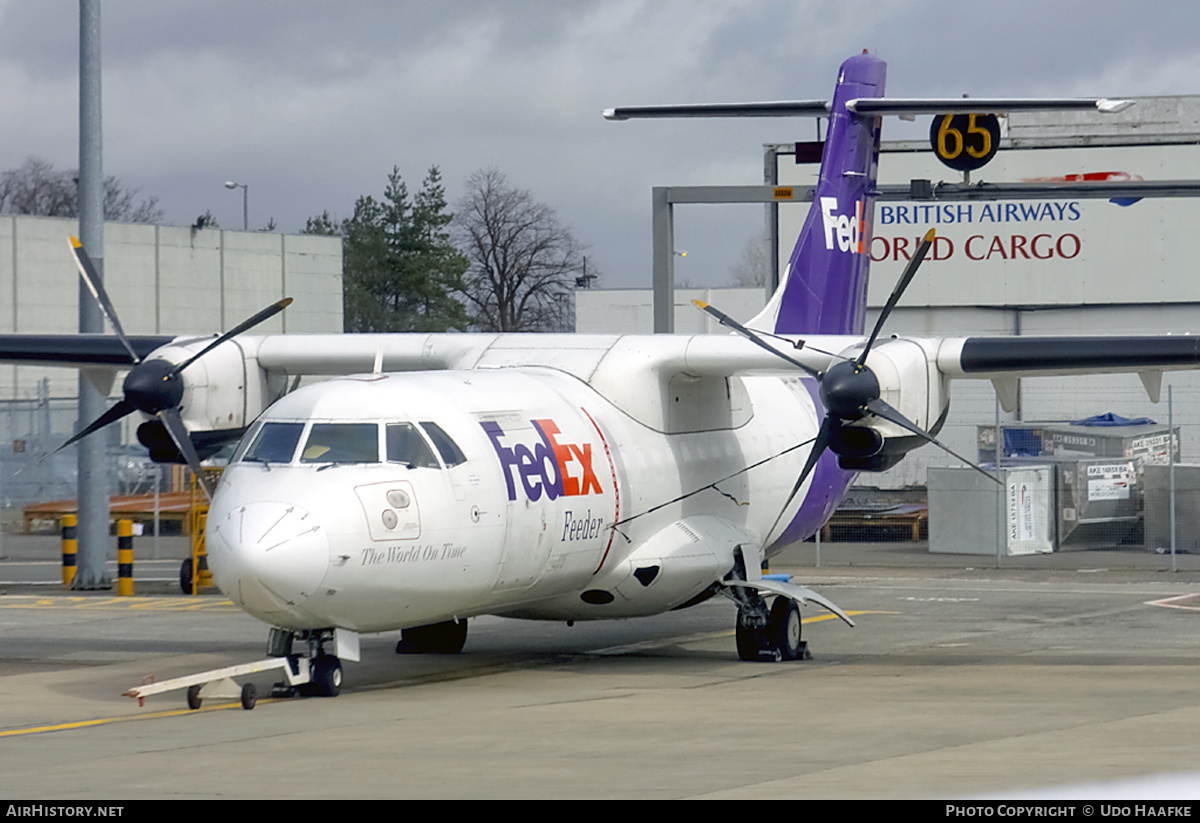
[(324, 669)]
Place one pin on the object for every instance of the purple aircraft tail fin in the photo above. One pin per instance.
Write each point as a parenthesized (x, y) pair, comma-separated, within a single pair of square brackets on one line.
[(824, 288)]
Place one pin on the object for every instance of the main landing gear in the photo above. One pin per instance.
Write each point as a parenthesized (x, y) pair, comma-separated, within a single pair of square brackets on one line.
[(764, 632), (777, 636)]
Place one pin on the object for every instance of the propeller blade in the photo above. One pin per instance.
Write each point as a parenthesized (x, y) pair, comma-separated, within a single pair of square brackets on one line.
[(173, 422), (269, 312), (887, 412), (820, 443), (96, 286), (905, 278), (114, 414), (753, 337)]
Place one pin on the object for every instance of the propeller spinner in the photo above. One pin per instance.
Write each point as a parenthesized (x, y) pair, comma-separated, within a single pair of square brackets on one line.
[(850, 390), (155, 387)]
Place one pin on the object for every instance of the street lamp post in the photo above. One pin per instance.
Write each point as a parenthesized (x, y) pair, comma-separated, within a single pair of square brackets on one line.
[(229, 184)]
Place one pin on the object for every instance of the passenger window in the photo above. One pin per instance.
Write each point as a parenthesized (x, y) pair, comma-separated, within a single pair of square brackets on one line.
[(406, 445), (451, 454), (275, 443), (342, 443)]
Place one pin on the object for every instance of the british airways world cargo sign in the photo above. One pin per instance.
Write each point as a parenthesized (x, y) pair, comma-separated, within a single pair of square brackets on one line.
[(1030, 251)]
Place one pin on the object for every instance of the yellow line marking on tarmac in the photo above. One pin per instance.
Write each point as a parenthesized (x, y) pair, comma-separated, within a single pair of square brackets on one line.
[(103, 721), (171, 604), (823, 617)]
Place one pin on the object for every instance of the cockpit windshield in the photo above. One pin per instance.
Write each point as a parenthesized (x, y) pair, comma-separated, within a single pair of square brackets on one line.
[(275, 443), (342, 443), (416, 446)]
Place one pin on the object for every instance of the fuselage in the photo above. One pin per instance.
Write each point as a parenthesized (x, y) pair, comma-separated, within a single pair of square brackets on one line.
[(387, 501)]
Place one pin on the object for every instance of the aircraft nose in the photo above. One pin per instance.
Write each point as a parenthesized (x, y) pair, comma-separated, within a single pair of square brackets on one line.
[(268, 557)]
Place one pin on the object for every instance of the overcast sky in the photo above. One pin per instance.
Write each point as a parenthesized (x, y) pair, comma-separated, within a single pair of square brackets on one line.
[(312, 103)]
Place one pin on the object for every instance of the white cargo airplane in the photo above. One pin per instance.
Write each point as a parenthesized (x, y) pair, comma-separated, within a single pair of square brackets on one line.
[(437, 477)]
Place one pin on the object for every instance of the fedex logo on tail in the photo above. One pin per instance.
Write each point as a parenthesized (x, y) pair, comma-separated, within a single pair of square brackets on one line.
[(546, 466), (841, 229)]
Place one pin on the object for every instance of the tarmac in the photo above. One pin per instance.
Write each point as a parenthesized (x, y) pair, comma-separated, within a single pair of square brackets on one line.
[(1059, 676), (153, 560)]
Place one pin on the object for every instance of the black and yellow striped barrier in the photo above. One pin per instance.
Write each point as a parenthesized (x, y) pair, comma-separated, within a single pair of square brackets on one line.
[(70, 545), (124, 558)]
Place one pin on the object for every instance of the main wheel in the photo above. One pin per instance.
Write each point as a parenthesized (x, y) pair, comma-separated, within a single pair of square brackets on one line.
[(185, 576), (785, 629), (327, 676), (747, 640)]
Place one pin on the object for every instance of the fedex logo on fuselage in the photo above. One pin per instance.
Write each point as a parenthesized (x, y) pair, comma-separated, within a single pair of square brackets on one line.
[(547, 466), (840, 228)]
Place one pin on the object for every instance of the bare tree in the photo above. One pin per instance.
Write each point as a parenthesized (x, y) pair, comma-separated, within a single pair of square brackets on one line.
[(36, 187), (524, 263), (754, 269)]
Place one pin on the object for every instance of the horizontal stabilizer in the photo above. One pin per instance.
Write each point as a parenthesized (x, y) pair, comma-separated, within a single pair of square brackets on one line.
[(981, 105), (874, 106), (779, 108)]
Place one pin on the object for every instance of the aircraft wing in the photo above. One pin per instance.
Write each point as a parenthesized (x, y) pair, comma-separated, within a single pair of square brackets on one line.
[(701, 355), (1005, 359), (75, 350), (1031, 356)]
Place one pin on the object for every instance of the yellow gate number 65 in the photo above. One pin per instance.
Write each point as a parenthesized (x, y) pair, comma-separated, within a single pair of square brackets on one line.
[(965, 142)]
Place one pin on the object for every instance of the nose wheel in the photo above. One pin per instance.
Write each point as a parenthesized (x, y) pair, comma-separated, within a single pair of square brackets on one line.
[(324, 669), (326, 676)]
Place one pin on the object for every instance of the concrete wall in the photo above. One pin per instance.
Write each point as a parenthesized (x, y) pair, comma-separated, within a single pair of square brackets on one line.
[(630, 311), (162, 280)]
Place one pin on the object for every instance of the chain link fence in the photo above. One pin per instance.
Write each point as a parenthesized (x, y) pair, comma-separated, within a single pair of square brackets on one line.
[(1094, 494), (33, 471)]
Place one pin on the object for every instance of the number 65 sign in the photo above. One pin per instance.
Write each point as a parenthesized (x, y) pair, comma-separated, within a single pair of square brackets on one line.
[(965, 142)]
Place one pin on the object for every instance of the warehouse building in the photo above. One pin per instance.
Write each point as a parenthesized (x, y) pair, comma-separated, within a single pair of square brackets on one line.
[(162, 280)]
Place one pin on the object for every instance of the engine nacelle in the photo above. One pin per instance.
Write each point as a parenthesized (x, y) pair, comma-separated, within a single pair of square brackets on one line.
[(910, 382), (855, 442), (223, 393)]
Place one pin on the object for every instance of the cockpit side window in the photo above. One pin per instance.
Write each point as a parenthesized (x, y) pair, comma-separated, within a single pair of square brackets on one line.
[(342, 443), (244, 444), (451, 454), (406, 445), (275, 443)]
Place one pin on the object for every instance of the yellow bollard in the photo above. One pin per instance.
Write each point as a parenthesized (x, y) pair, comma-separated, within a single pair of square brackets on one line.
[(124, 558), (69, 547)]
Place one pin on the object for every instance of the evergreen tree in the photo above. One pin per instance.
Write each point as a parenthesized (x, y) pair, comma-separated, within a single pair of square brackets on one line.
[(400, 271)]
